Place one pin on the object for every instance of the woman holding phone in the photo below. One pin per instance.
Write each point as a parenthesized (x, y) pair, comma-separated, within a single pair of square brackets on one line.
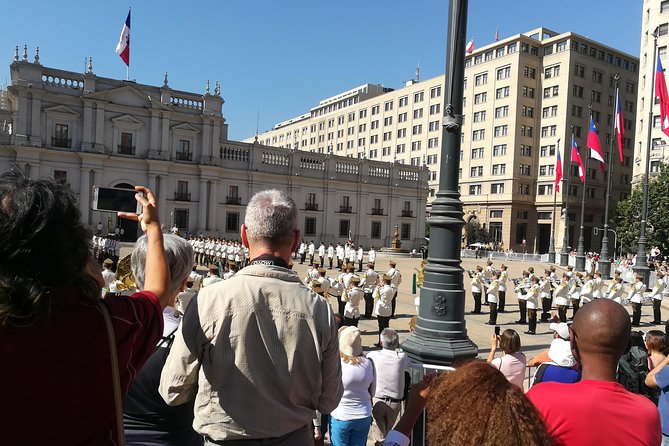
[(54, 328), (513, 363)]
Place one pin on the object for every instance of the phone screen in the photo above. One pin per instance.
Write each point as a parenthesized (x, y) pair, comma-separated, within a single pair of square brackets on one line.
[(497, 330), (114, 199)]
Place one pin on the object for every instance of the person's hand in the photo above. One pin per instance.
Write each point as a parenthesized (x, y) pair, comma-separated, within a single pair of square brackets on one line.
[(149, 216), (317, 433), (493, 344)]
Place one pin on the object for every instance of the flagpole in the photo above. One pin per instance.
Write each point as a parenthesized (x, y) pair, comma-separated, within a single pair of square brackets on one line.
[(580, 251), (564, 253), (641, 264), (551, 247), (604, 261)]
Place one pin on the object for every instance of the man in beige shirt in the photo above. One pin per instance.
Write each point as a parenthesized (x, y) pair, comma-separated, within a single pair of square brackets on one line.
[(258, 352)]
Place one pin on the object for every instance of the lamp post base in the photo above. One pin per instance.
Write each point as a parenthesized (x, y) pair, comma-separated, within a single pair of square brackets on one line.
[(580, 263), (551, 257), (437, 348), (643, 271), (564, 258)]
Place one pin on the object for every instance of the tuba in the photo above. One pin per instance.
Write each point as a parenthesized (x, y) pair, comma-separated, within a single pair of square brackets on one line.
[(125, 278)]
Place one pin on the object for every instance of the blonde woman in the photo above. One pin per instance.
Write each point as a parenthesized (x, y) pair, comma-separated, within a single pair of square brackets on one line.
[(352, 418)]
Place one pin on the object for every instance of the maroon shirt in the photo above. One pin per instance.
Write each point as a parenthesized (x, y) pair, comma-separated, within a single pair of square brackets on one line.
[(56, 376)]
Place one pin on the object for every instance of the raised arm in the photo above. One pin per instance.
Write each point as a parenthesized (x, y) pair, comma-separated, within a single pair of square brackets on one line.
[(157, 270)]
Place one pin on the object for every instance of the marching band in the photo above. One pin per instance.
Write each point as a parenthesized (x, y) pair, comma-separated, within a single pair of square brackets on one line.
[(573, 289)]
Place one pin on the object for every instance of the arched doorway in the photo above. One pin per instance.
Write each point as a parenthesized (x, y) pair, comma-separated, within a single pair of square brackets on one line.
[(127, 228)]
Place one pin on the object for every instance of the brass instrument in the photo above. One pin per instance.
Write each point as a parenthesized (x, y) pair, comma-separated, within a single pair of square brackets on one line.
[(125, 278)]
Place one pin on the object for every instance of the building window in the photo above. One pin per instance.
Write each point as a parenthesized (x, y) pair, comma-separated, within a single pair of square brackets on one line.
[(375, 232), (478, 135), (61, 136), (495, 230), (498, 169), (401, 148), (499, 150), (525, 150), (477, 153), (310, 226), (480, 98), (529, 71), (481, 79), (476, 171), (502, 92), (435, 92), (344, 228), (497, 188), (403, 102), (418, 97), (475, 189), (388, 121), (435, 109), (232, 222), (405, 231), (545, 189), (528, 92), (417, 129), (496, 213), (503, 73), (375, 110), (501, 130), (181, 219), (502, 112), (521, 233), (525, 169)]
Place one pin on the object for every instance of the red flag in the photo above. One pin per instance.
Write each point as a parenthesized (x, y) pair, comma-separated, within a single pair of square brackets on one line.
[(593, 144), (661, 94), (576, 158), (620, 127), (470, 46), (558, 172), (123, 46)]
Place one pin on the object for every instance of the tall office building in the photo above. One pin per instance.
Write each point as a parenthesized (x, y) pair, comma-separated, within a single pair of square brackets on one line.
[(522, 95), (655, 16)]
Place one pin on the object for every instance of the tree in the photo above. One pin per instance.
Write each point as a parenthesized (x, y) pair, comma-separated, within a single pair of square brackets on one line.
[(628, 214), (476, 233)]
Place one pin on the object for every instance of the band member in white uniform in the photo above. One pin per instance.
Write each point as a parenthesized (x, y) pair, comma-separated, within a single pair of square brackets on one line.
[(636, 297)]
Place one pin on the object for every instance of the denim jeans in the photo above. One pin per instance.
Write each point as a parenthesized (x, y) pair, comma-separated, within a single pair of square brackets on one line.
[(350, 432)]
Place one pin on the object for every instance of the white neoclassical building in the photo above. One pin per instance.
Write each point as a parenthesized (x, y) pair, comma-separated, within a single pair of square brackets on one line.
[(88, 130)]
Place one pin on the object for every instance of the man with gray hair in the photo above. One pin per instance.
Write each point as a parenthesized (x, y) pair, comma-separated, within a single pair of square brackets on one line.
[(258, 352), (390, 366)]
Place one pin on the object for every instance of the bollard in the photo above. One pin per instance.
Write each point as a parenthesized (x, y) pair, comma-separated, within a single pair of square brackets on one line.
[(413, 284)]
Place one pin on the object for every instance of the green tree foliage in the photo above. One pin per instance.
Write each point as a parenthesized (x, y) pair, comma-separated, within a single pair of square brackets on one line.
[(628, 214), (476, 233)]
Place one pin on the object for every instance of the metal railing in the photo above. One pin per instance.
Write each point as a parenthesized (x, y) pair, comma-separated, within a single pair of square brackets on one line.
[(233, 200), (61, 142), (407, 213), (182, 196), (125, 150), (377, 211), (310, 206), (184, 156), (345, 209)]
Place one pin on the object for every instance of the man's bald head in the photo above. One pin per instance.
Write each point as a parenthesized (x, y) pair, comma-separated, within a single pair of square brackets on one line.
[(601, 328)]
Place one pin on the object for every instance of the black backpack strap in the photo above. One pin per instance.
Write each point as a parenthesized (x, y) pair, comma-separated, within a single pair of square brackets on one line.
[(539, 374)]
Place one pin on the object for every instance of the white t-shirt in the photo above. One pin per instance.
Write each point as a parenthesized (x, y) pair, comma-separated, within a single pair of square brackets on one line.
[(359, 386), (390, 367)]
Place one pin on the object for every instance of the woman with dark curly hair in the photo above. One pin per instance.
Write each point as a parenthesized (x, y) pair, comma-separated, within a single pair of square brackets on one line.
[(477, 405), (474, 405), (58, 385)]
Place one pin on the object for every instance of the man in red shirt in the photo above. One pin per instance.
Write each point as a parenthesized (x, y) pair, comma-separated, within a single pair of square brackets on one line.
[(597, 410)]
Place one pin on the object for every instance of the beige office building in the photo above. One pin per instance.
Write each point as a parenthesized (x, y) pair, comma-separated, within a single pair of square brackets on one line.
[(86, 130), (522, 95), (655, 16)]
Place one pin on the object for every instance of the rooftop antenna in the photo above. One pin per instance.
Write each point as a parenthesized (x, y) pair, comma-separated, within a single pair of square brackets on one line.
[(418, 71)]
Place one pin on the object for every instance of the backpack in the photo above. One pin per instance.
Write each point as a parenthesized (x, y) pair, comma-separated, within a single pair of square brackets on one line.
[(632, 372)]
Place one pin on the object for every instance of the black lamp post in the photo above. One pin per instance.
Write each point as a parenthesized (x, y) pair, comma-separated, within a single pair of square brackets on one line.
[(440, 337), (641, 265)]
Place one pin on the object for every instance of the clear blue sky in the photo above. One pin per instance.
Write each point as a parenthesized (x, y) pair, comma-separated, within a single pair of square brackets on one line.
[(283, 57)]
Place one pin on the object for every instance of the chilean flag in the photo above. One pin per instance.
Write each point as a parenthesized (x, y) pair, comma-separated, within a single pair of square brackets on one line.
[(661, 94), (558, 172), (620, 127), (593, 144), (470, 46), (123, 47), (576, 158)]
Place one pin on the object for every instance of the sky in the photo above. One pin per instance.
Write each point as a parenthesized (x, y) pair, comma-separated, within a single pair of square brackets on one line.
[(276, 60)]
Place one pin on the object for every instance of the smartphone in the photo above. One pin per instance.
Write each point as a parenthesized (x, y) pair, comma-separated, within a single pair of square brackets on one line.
[(114, 199), (496, 330)]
